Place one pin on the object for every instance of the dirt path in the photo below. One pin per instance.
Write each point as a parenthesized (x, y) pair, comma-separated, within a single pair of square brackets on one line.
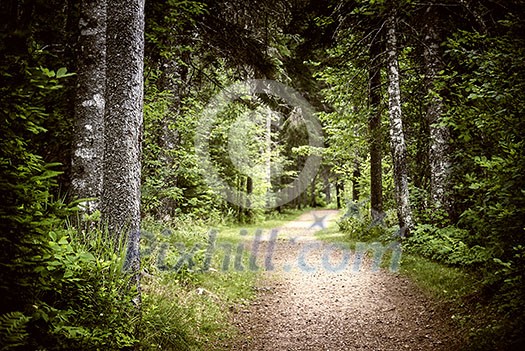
[(312, 300)]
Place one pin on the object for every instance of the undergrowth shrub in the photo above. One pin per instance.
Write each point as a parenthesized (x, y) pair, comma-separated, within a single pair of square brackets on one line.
[(60, 291), (506, 289), (83, 301), (356, 222), (27, 181), (446, 245)]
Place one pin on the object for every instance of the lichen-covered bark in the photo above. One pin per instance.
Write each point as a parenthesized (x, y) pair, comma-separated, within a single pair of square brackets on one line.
[(123, 123), (374, 125), (88, 144), (439, 135), (397, 139)]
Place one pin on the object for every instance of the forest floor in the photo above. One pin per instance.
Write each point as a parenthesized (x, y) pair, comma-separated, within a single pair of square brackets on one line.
[(312, 300)]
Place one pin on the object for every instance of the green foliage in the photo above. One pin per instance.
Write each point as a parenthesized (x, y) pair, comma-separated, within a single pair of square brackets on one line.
[(357, 224), (29, 208), (83, 297), (167, 26), (86, 300), (58, 290), (171, 178), (164, 246), (500, 318), (486, 83), (448, 245), (13, 330), (487, 120)]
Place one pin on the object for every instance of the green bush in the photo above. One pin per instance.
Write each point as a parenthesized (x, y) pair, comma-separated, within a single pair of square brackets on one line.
[(446, 245), (29, 209), (507, 286), (84, 300), (356, 222), (61, 290)]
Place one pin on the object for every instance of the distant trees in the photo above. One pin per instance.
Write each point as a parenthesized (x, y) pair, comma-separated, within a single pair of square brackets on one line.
[(213, 47)]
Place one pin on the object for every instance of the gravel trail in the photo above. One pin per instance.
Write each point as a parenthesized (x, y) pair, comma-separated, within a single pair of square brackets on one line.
[(313, 299)]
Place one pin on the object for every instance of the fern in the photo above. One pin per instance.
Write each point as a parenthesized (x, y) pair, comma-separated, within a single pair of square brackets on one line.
[(13, 329)]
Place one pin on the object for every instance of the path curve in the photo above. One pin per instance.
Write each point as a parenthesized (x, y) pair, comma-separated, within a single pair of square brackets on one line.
[(302, 305)]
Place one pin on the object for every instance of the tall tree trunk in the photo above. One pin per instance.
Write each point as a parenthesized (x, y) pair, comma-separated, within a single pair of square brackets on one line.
[(338, 189), (248, 212), (327, 187), (88, 154), (268, 140), (439, 135), (397, 138), (313, 197), (356, 174), (374, 124), (123, 123)]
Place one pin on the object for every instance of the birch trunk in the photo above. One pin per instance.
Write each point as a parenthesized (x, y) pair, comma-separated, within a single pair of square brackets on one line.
[(268, 141), (88, 154), (397, 139), (123, 123), (374, 125), (439, 135)]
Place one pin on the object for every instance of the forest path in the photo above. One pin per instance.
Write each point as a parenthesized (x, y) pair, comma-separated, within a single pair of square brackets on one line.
[(304, 304)]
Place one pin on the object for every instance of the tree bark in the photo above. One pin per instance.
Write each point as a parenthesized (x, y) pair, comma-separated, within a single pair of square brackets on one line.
[(88, 154), (123, 124), (374, 125), (338, 189), (248, 213), (438, 155), (327, 186), (356, 174), (397, 139), (313, 197)]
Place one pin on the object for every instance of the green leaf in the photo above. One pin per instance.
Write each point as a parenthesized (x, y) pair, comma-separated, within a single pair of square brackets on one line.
[(61, 72), (87, 257)]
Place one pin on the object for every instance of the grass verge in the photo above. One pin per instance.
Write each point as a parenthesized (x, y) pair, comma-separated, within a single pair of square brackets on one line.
[(440, 281), (190, 283)]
